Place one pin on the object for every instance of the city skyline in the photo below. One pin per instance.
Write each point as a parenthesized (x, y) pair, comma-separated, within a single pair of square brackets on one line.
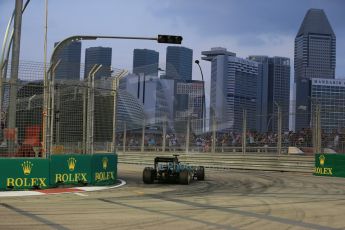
[(247, 40), (245, 27)]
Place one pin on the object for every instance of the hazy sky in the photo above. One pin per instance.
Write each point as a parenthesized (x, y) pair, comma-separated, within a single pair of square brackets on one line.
[(246, 27)]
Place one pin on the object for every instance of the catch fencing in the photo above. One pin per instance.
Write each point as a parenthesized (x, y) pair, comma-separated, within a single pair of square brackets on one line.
[(91, 112), (61, 115)]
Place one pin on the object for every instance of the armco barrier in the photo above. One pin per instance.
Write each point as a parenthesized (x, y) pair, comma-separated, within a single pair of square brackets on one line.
[(258, 161), (104, 169), (24, 173), (329, 165)]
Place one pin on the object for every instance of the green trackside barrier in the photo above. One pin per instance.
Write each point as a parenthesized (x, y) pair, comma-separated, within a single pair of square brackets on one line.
[(330, 165), (24, 173), (104, 169), (70, 169)]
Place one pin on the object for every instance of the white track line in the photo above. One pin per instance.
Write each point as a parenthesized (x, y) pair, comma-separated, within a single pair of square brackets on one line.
[(97, 188), (83, 189), (19, 193), (80, 194)]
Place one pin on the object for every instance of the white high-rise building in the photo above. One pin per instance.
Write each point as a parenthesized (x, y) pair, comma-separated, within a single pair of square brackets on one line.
[(233, 89)]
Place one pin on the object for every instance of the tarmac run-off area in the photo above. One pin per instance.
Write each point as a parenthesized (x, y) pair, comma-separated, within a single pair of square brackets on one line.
[(227, 199)]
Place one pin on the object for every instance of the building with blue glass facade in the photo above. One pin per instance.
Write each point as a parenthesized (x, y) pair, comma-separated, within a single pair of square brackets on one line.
[(262, 93), (273, 90), (179, 63), (98, 55), (69, 67), (330, 95), (145, 62)]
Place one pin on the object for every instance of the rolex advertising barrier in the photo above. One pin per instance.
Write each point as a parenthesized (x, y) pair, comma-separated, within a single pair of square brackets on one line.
[(330, 165), (24, 173), (104, 169), (71, 169)]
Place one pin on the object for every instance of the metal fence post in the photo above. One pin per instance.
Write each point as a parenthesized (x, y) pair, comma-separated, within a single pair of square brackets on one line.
[(2, 76), (92, 113), (52, 106), (124, 137), (45, 114), (164, 134), (51, 113), (88, 123), (244, 132), (14, 71), (116, 82), (57, 114), (85, 122), (318, 129), (143, 136), (91, 106), (214, 130), (115, 88), (279, 130), (188, 134)]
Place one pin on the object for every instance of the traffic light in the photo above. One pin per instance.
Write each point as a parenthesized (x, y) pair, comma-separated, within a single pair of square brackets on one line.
[(169, 39)]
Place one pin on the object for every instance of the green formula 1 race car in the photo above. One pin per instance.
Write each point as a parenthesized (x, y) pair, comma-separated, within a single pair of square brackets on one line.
[(169, 169)]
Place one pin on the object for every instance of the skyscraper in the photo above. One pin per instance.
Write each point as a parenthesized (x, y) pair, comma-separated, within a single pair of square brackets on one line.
[(145, 62), (188, 103), (273, 90), (233, 89), (147, 95), (262, 93), (98, 55), (69, 67), (330, 96), (179, 63), (315, 47)]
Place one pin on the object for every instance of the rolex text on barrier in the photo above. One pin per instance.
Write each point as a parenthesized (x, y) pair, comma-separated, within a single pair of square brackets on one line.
[(24, 173), (330, 165), (70, 169), (104, 169)]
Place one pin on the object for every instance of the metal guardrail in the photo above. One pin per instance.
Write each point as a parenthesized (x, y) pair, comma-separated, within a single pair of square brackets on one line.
[(265, 162), (200, 149)]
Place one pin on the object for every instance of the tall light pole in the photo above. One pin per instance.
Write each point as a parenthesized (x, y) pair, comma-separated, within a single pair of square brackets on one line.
[(171, 39), (203, 96), (165, 120)]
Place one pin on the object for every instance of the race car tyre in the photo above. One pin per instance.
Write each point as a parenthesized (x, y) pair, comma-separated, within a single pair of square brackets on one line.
[(200, 174), (184, 177), (148, 175)]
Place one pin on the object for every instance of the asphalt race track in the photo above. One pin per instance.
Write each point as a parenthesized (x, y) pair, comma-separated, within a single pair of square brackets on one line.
[(225, 200)]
